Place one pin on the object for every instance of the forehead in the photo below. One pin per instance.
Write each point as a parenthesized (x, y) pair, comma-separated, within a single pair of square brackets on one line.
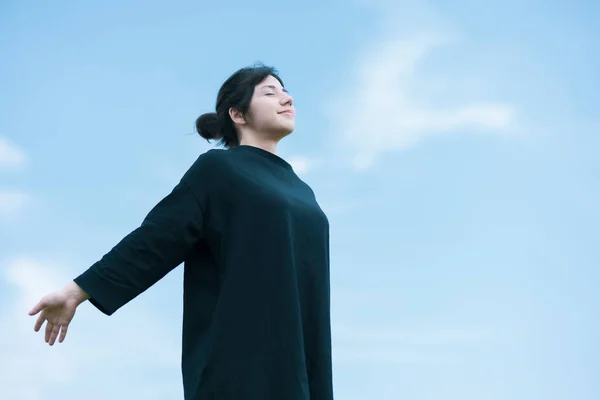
[(269, 81)]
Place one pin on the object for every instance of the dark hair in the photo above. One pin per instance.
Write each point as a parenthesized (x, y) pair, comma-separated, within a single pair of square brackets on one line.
[(236, 92)]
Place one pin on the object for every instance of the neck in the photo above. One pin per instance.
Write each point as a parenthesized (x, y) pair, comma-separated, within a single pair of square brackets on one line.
[(268, 145)]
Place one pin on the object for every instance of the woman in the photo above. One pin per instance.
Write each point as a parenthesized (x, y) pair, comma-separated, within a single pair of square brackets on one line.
[(255, 248)]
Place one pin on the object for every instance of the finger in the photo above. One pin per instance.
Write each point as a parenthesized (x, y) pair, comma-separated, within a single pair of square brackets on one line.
[(37, 308), (39, 322), (63, 333), (54, 334), (49, 327)]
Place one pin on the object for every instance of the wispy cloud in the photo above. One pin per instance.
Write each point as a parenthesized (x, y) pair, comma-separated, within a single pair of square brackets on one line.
[(10, 154), (13, 202), (24, 369), (302, 164), (394, 102), (32, 278)]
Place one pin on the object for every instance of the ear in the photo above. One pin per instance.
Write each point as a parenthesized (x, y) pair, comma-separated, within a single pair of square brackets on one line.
[(237, 116)]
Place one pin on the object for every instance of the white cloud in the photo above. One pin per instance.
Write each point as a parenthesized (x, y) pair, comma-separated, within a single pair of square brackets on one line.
[(394, 103), (338, 207), (301, 164), (10, 154), (32, 279), (97, 348), (12, 202), (24, 369)]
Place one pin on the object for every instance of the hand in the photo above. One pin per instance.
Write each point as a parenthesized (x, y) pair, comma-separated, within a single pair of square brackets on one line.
[(58, 309)]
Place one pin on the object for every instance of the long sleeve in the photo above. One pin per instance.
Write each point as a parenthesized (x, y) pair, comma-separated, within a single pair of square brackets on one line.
[(167, 234)]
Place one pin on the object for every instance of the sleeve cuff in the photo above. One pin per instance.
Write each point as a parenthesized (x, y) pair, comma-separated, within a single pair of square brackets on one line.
[(102, 294)]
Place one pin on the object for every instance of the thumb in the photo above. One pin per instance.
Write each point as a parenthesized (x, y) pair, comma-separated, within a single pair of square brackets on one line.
[(37, 308)]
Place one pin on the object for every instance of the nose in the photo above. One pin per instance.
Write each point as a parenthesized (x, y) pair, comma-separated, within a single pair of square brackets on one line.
[(286, 100)]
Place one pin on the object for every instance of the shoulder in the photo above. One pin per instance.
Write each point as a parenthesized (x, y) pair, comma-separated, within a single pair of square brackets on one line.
[(208, 162), (201, 176), (209, 166)]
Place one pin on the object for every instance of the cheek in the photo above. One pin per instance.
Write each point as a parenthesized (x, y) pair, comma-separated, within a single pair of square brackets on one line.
[(263, 114)]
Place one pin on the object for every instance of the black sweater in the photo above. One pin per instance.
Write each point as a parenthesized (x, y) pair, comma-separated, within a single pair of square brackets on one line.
[(255, 244)]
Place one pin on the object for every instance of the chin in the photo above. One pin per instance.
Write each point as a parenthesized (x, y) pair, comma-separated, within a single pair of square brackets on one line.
[(287, 129), (285, 133), (281, 130), (286, 125)]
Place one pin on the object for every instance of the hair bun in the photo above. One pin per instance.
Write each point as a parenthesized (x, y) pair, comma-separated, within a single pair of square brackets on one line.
[(209, 126)]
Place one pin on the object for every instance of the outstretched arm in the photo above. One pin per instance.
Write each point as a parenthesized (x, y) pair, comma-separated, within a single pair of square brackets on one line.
[(140, 259), (166, 236)]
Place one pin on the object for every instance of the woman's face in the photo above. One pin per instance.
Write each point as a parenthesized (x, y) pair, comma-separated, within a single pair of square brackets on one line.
[(271, 109)]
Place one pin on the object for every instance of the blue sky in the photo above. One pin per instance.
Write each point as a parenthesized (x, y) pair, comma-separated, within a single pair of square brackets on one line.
[(452, 144)]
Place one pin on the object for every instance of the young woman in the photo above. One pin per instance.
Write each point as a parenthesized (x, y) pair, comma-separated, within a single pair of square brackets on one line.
[(255, 248)]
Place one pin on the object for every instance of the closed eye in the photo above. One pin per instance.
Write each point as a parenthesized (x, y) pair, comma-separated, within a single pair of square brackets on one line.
[(273, 87)]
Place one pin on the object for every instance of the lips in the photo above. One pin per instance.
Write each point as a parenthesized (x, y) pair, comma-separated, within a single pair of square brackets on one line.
[(288, 112)]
